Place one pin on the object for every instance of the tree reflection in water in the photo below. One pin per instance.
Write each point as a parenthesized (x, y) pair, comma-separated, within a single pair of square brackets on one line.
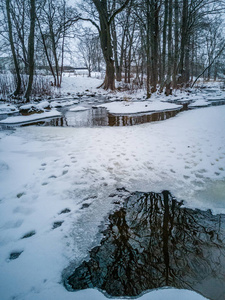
[(153, 241)]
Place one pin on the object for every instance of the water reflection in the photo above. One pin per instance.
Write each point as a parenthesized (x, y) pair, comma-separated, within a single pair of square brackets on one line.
[(153, 241), (101, 117)]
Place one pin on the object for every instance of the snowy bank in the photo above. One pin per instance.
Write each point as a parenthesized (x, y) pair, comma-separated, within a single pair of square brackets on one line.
[(28, 119), (127, 107), (7, 108)]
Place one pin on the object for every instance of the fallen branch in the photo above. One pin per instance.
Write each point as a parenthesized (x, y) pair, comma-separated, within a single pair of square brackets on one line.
[(218, 54)]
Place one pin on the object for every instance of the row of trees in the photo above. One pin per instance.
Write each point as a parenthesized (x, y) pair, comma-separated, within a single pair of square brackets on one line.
[(162, 44), (35, 31), (168, 42)]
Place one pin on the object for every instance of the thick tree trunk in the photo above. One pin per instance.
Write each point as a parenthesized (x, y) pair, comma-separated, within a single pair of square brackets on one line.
[(105, 38), (109, 82), (31, 50), (154, 26), (16, 64)]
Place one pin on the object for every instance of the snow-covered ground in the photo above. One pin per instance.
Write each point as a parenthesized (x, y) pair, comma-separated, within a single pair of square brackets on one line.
[(47, 174), (46, 170)]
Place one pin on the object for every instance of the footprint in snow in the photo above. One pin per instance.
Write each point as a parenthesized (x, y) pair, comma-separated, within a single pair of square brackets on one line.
[(15, 255), (19, 195), (57, 224), (64, 172), (29, 234), (65, 211), (85, 205)]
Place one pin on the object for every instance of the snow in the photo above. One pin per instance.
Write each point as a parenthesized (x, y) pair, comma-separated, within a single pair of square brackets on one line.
[(8, 109), (79, 108), (199, 103), (44, 170), (41, 105), (62, 103), (80, 84), (33, 117), (92, 294), (127, 107)]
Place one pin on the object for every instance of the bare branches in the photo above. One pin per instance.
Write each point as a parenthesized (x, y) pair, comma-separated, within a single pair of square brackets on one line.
[(118, 10)]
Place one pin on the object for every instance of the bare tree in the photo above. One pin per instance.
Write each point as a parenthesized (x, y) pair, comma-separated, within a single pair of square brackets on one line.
[(15, 59), (31, 49), (103, 25)]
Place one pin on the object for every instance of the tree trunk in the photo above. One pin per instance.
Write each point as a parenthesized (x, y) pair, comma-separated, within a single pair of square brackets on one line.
[(46, 52), (31, 49), (154, 26), (18, 78), (63, 41), (184, 34), (170, 63), (105, 38), (176, 41), (187, 62), (114, 40), (163, 65), (148, 53)]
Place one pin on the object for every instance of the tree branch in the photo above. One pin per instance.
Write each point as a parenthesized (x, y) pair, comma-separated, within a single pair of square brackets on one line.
[(89, 20), (118, 11), (218, 54)]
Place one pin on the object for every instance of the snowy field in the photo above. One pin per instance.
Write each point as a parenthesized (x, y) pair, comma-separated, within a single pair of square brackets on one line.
[(47, 174)]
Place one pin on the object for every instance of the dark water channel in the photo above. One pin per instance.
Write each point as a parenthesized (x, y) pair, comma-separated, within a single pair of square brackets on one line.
[(153, 241), (101, 117)]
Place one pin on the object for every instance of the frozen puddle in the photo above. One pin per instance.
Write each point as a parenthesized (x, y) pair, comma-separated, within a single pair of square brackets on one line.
[(153, 241)]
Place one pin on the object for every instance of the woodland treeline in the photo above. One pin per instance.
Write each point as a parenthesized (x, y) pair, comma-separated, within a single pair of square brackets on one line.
[(156, 44)]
